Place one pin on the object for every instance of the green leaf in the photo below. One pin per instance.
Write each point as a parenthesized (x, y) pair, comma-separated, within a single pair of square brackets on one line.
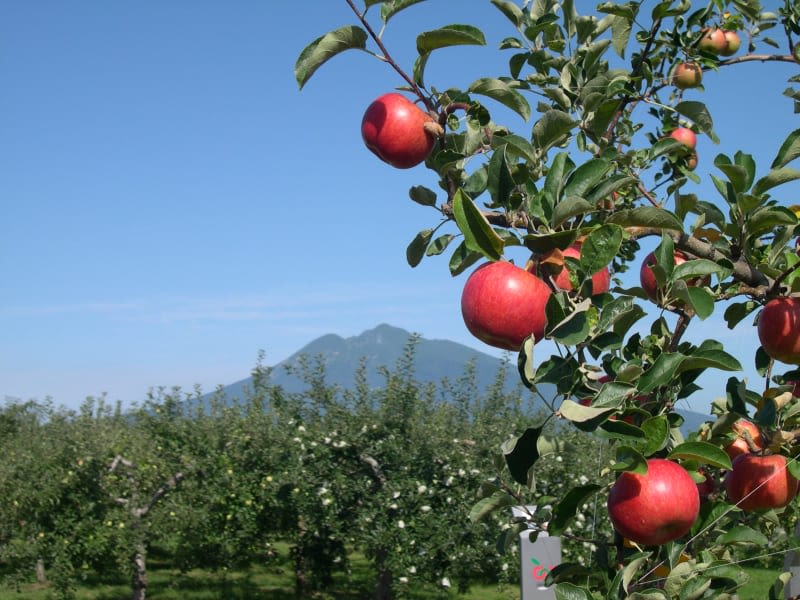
[(416, 249), (568, 208), (710, 359), (568, 507), (646, 216), (515, 145), (630, 459), (698, 113), (578, 413), (502, 92), (523, 454), (553, 128), (661, 372), (486, 506), (699, 267), (392, 7), (767, 218), (422, 195), (500, 182), (775, 178), (440, 244), (700, 299), (525, 363), (570, 591), (736, 175), (462, 259), (789, 150), (478, 233), (607, 187), (325, 47), (666, 146), (600, 247), (621, 28), (512, 12), (586, 176), (449, 35), (554, 182), (742, 534), (702, 452)]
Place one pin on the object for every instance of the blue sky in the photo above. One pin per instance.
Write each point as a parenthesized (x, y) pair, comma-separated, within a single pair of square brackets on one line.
[(172, 203)]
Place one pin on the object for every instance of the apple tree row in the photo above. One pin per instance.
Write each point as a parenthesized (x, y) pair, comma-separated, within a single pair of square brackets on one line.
[(600, 155)]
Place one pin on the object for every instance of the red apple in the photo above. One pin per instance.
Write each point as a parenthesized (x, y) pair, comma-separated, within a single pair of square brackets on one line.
[(393, 128), (601, 281), (760, 482), (707, 487), (656, 507), (503, 304), (687, 75), (732, 43), (648, 279), (685, 136), (740, 445), (713, 41), (779, 329)]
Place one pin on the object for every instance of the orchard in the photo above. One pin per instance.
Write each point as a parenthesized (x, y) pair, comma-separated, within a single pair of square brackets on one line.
[(600, 157)]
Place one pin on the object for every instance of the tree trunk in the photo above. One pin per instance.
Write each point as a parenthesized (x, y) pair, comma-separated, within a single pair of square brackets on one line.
[(139, 583), (40, 574), (300, 566), (383, 584)]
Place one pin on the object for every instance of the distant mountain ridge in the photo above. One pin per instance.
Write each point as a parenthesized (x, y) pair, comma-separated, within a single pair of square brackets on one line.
[(434, 361), (382, 346)]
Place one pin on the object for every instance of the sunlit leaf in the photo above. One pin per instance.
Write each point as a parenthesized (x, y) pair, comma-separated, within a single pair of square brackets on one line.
[(502, 92), (789, 150), (478, 233), (325, 47), (702, 452), (450, 35), (392, 7), (552, 129), (646, 216), (416, 249), (775, 178)]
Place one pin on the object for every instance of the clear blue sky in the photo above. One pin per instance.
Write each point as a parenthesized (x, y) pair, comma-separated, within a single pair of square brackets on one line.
[(172, 204)]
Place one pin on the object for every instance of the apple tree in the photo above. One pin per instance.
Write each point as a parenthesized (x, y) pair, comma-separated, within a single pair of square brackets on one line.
[(597, 158)]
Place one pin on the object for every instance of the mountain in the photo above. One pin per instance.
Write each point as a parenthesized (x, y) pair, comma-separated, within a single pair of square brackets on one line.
[(383, 346)]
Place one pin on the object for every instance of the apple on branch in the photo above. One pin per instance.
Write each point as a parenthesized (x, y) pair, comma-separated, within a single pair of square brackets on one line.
[(655, 507), (758, 482), (779, 329), (503, 304), (399, 132)]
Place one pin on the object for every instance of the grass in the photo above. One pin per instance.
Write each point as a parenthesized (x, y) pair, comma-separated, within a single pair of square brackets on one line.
[(276, 582)]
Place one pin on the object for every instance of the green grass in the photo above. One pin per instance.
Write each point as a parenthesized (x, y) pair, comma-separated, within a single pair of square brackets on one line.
[(276, 582)]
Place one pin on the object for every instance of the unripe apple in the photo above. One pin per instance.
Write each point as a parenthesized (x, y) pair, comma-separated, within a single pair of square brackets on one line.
[(691, 161), (656, 507), (760, 482), (687, 75), (502, 304), (779, 329), (601, 280), (685, 136), (648, 279), (713, 41), (393, 128), (740, 445), (732, 43)]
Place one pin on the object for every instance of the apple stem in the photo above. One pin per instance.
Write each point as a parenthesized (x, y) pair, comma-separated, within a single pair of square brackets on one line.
[(362, 16)]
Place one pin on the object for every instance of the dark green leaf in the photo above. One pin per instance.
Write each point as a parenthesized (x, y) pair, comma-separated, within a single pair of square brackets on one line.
[(629, 459), (422, 195), (502, 92), (699, 298), (646, 216), (698, 113), (775, 178), (449, 35), (392, 7), (523, 454), (486, 506), (586, 176), (500, 182), (702, 452), (661, 372), (568, 507), (600, 247), (462, 259), (568, 208), (478, 233), (607, 187), (416, 249), (790, 149), (553, 128), (554, 182), (767, 218), (710, 359), (742, 534), (512, 12), (515, 145), (440, 244), (525, 363), (325, 47), (570, 591)]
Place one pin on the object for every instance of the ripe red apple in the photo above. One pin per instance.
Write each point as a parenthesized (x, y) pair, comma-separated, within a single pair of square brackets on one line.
[(687, 75), (760, 482), (779, 329), (648, 279), (685, 136), (393, 128), (654, 508), (732, 43), (740, 445), (601, 281), (713, 41), (503, 304)]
